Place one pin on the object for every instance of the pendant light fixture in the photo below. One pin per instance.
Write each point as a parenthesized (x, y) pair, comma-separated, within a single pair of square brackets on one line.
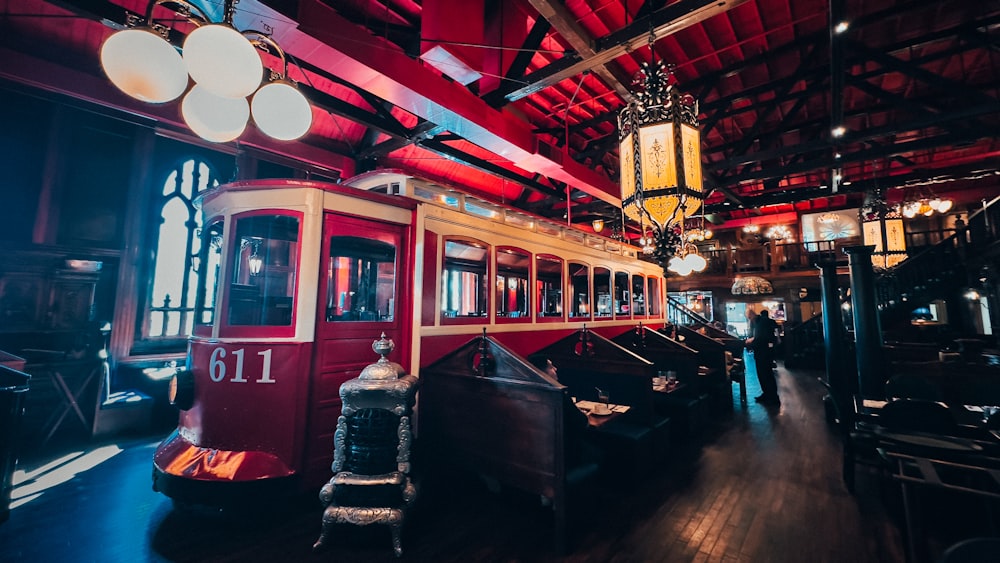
[(224, 64)]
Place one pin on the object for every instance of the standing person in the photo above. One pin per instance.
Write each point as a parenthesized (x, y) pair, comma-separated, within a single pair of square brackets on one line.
[(762, 342), (751, 321)]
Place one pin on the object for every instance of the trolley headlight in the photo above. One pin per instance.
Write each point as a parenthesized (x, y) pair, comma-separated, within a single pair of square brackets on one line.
[(181, 391)]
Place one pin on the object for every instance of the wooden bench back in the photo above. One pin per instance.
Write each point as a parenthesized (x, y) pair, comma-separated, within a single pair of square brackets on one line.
[(507, 424), (587, 361)]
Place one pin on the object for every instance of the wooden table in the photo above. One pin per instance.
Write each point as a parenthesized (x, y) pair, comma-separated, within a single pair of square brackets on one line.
[(596, 421), (668, 388)]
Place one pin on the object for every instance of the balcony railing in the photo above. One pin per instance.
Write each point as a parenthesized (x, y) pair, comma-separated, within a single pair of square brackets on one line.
[(775, 257)]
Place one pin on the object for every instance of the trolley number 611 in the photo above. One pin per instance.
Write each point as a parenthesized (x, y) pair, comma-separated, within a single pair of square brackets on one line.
[(217, 366)]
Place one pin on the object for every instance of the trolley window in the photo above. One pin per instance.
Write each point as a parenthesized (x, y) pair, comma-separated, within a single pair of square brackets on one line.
[(638, 295), (464, 289), (513, 269), (579, 287), (264, 270), (207, 264), (622, 301), (653, 296), (361, 280), (602, 292), (548, 287)]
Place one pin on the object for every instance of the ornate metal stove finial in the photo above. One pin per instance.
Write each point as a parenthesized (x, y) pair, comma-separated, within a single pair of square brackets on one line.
[(382, 369), (383, 346)]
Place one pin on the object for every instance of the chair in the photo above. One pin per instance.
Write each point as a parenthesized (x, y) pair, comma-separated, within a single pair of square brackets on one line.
[(907, 386), (973, 550), (371, 460)]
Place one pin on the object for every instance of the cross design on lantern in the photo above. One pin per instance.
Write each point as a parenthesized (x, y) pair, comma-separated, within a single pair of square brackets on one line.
[(658, 156)]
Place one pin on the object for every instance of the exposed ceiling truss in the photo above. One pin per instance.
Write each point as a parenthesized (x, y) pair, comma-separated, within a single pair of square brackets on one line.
[(916, 84)]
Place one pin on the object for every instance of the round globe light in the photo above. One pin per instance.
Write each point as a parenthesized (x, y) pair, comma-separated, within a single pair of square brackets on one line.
[(223, 61), (214, 118), (144, 65), (281, 111), (679, 266), (696, 261), (945, 205)]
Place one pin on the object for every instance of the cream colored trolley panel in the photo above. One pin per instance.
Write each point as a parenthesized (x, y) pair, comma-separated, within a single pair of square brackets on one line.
[(308, 202), (451, 223), (416, 314), (365, 208)]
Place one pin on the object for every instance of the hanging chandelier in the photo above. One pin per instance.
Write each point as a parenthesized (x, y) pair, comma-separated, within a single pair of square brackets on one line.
[(926, 205), (660, 159), (779, 233), (224, 64)]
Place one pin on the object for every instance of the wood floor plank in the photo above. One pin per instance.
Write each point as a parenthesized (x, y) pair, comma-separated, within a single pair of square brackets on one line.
[(761, 485)]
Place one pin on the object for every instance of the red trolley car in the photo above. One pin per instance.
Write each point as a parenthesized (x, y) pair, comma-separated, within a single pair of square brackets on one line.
[(299, 278)]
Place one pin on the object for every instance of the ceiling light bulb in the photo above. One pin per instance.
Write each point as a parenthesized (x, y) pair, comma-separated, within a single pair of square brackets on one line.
[(696, 262), (143, 65), (925, 208), (212, 117), (223, 61), (675, 264), (281, 111)]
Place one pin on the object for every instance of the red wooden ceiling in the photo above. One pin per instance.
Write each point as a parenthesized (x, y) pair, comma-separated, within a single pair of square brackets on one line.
[(916, 82)]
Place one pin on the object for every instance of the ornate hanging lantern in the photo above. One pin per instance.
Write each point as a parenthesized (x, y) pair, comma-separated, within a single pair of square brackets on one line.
[(660, 159)]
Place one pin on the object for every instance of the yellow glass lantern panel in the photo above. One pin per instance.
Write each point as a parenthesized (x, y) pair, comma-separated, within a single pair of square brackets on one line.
[(659, 168), (627, 155), (873, 235), (691, 141)]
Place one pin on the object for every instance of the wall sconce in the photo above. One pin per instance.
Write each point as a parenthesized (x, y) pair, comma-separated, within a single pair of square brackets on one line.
[(597, 225), (255, 263), (224, 65)]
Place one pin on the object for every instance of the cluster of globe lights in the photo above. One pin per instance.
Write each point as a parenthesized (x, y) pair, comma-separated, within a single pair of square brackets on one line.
[(687, 261), (224, 65), (926, 207)]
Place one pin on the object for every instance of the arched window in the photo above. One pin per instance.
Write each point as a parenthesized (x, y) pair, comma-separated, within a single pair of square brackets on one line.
[(638, 295), (169, 308), (602, 293), (513, 278), (548, 287), (465, 281), (579, 287)]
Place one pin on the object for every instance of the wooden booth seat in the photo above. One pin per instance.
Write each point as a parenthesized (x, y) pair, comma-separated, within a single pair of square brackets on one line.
[(686, 404), (714, 378), (588, 362), (486, 409)]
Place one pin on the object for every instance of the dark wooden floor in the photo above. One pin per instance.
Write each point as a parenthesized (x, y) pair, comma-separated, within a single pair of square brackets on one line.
[(760, 486)]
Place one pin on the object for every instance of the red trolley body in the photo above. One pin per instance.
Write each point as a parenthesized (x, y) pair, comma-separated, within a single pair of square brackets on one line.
[(299, 278)]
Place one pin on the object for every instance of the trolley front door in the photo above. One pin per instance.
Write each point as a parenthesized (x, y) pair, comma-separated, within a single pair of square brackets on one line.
[(363, 292)]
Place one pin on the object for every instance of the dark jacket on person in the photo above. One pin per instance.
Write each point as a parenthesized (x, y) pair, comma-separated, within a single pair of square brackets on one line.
[(764, 332)]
